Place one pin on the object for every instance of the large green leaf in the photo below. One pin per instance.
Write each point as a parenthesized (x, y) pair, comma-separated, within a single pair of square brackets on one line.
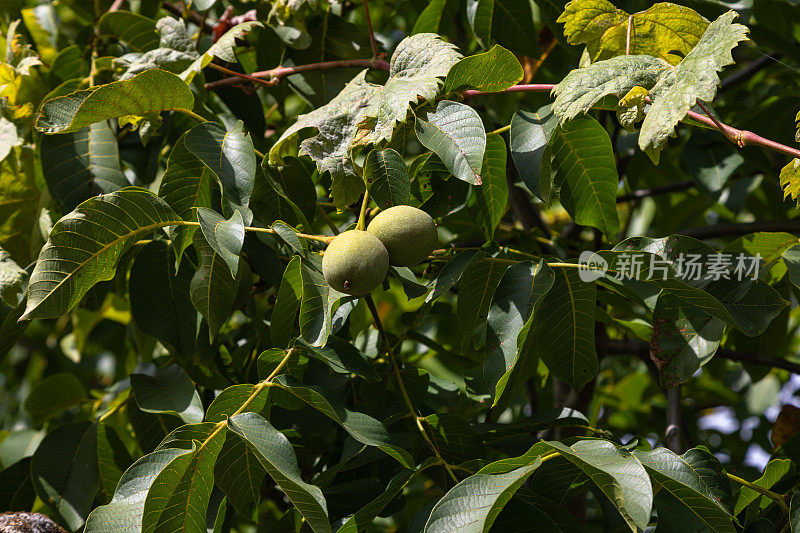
[(387, 178), (775, 470), (20, 199), (491, 71), (53, 395), (13, 280), (492, 195), (124, 512), (112, 458), (159, 296), (64, 471), (148, 92), (239, 473), (137, 31), (186, 184), (317, 305), (17, 493), (618, 474), (694, 78), (448, 278), (179, 495), (360, 426), (586, 173), (168, 391), (293, 183), (231, 156), (80, 165), (479, 15), (530, 148), (474, 504), (85, 245), (564, 329), (275, 453), (342, 357), (290, 293), (664, 30), (364, 113), (475, 289), (430, 18), (679, 477), (455, 133), (510, 318), (226, 237), (213, 289)]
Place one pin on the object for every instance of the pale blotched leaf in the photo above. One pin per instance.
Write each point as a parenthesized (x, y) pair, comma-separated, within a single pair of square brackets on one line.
[(150, 91), (364, 113), (85, 245), (276, 455), (694, 78), (664, 30), (455, 133), (13, 280)]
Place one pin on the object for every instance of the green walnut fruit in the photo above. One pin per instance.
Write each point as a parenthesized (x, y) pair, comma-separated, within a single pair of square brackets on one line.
[(355, 262), (408, 233)]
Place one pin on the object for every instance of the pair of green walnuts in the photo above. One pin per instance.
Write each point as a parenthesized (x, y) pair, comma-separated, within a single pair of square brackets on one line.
[(357, 261)]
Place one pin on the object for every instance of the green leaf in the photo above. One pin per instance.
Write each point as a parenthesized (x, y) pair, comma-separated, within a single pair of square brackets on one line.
[(448, 278), (52, 395), (794, 512), (792, 259), (148, 92), (223, 48), (455, 438), (530, 148), (226, 237), (232, 158), (492, 71), (512, 21), (364, 113), (126, 508), (790, 180), (455, 133), (479, 15), (478, 282), (510, 318), (168, 391), (492, 195), (775, 470), (664, 30), (19, 205), (80, 165), (319, 299), (186, 184), (159, 296), (287, 303), (564, 329), (178, 497), (711, 161), (474, 503), (434, 189), (84, 247), (275, 453), (239, 474), (617, 473), (387, 178), (586, 174), (583, 88), (64, 471), (694, 78), (175, 51), (769, 248), (342, 357), (293, 183), (137, 31), (360, 426), (112, 458), (361, 520), (430, 18), (679, 477), (17, 493), (213, 290)]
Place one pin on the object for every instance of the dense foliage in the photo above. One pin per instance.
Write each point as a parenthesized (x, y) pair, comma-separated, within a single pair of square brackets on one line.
[(603, 339)]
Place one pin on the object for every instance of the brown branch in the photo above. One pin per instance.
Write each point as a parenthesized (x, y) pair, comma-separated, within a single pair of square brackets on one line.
[(672, 433), (736, 229), (372, 41), (242, 76), (281, 72), (197, 18), (522, 88), (117, 5)]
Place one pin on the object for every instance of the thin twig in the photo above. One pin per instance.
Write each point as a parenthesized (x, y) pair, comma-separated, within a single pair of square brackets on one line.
[(116, 5), (653, 191), (628, 36), (372, 41), (400, 385), (195, 17), (243, 76), (279, 73), (672, 434)]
